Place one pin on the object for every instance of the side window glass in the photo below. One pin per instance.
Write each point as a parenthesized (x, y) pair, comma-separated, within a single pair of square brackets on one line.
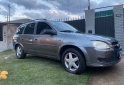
[(41, 26), (29, 28), (20, 29)]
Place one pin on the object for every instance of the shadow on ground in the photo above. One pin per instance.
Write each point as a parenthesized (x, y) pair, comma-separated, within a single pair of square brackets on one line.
[(103, 70), (113, 75), (34, 57), (93, 70), (96, 70), (53, 61)]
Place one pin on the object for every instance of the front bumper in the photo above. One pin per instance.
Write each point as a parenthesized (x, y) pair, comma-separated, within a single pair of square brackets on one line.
[(103, 58)]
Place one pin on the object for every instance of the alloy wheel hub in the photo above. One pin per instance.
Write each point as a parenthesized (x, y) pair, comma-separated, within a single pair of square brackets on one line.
[(71, 61), (18, 51)]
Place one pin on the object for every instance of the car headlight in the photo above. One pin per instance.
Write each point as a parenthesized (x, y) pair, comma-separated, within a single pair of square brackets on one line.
[(100, 45)]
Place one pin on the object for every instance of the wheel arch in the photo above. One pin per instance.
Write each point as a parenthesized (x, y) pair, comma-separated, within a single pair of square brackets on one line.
[(82, 51), (17, 45)]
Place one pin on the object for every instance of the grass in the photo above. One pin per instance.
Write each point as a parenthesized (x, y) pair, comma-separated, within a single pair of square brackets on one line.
[(38, 71)]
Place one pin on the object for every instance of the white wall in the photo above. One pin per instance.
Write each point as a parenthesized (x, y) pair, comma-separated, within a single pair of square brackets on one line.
[(90, 21), (119, 24), (3, 44)]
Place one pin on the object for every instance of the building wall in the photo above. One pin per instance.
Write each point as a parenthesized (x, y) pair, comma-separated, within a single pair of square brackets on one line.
[(119, 24), (90, 21), (8, 33), (11, 30), (3, 44)]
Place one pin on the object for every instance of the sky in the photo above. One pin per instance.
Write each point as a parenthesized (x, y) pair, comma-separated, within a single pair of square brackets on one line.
[(49, 9)]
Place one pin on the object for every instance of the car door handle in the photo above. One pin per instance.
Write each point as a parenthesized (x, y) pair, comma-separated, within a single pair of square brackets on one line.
[(35, 39), (30, 40)]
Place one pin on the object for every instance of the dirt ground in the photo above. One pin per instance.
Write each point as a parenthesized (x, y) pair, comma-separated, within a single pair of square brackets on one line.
[(109, 76)]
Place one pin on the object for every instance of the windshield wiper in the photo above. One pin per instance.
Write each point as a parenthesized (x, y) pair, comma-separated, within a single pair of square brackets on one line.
[(78, 32), (67, 31)]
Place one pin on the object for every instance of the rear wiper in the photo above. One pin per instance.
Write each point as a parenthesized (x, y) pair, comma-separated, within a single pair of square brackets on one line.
[(67, 31)]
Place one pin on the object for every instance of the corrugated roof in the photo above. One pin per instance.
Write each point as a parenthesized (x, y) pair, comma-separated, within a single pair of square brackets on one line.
[(19, 21)]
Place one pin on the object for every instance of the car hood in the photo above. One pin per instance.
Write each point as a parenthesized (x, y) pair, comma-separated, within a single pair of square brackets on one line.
[(82, 36), (99, 37)]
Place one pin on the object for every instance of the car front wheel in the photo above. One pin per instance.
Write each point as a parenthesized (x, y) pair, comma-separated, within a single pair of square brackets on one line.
[(73, 61), (20, 54)]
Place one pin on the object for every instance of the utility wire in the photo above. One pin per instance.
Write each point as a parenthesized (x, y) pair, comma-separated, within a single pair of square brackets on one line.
[(80, 4), (9, 12)]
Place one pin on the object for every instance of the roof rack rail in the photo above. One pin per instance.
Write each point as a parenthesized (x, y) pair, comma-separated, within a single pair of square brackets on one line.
[(40, 19), (34, 20)]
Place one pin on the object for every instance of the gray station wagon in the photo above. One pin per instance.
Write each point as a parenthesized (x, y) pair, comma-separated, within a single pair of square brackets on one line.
[(59, 40)]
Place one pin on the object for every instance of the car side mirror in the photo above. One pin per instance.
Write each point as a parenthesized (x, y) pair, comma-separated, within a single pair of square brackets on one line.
[(50, 32)]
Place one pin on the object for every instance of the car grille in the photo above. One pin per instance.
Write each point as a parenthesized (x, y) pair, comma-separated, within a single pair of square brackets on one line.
[(115, 45)]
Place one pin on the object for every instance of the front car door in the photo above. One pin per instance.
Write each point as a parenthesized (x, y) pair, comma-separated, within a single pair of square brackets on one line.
[(44, 44)]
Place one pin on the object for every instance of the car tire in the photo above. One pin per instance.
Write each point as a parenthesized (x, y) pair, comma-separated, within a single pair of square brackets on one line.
[(20, 54), (73, 61)]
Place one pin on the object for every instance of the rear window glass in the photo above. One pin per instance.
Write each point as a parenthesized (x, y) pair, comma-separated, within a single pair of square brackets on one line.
[(20, 29)]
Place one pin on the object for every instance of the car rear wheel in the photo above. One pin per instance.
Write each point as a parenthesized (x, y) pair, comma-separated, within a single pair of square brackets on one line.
[(73, 61), (20, 54)]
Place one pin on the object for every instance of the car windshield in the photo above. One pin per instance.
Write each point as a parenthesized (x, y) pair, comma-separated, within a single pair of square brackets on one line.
[(64, 27)]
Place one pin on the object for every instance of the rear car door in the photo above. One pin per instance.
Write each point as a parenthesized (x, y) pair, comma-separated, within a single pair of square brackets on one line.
[(27, 37), (44, 44), (19, 35)]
